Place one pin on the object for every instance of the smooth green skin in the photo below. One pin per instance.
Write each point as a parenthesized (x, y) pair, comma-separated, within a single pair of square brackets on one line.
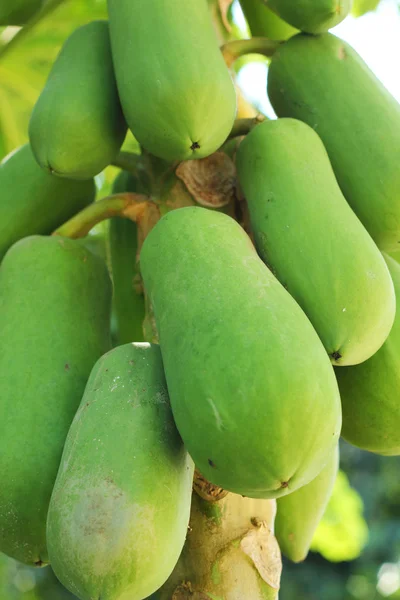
[(253, 384), (129, 305), (35, 202), (305, 232), (120, 507), (311, 16), (18, 12), (19, 582), (299, 513), (174, 86), (265, 23), (370, 392), (77, 126), (324, 82), (55, 301)]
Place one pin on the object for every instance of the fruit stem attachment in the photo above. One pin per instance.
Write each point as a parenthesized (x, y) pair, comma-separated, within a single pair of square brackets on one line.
[(128, 161), (136, 207), (244, 126), (233, 50), (48, 8)]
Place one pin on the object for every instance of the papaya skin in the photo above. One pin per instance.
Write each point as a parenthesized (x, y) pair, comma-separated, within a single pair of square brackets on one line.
[(370, 398), (299, 513), (265, 23), (77, 126), (203, 276), (61, 293), (322, 81), (305, 232), (176, 91), (120, 507), (33, 201), (128, 301), (18, 12), (311, 16)]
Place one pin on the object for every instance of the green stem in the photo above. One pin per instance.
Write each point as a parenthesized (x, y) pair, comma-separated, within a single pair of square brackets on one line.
[(244, 126), (48, 8), (127, 161), (136, 207), (231, 51)]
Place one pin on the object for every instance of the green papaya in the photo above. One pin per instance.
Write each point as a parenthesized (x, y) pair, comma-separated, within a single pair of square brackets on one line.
[(128, 298), (19, 582), (360, 7), (77, 126), (176, 91), (55, 301), (305, 232), (247, 353), (120, 507), (325, 83), (226, 538), (265, 23), (18, 12), (299, 513), (33, 201), (371, 411), (311, 16)]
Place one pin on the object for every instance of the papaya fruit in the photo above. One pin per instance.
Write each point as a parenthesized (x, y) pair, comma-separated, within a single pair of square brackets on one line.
[(263, 22), (20, 582), (371, 411), (33, 201), (18, 12), (128, 298), (305, 232), (220, 544), (325, 83), (311, 16), (176, 91), (77, 126), (120, 507), (230, 321), (55, 301), (299, 513)]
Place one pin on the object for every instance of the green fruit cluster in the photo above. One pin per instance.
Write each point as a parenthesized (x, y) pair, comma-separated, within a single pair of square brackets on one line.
[(240, 345)]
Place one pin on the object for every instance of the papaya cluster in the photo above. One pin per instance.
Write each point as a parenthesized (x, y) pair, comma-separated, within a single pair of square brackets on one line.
[(243, 350)]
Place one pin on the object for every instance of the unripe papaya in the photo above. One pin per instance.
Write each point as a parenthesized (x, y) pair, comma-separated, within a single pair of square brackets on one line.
[(128, 298), (305, 232), (55, 301), (247, 353), (311, 16), (176, 91), (370, 392), (299, 513), (325, 83), (265, 23), (33, 201), (120, 507), (18, 12), (230, 553), (77, 126)]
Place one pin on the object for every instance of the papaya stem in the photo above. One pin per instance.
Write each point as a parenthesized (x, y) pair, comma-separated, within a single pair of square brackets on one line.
[(136, 207), (127, 161), (47, 9), (244, 126), (233, 50)]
